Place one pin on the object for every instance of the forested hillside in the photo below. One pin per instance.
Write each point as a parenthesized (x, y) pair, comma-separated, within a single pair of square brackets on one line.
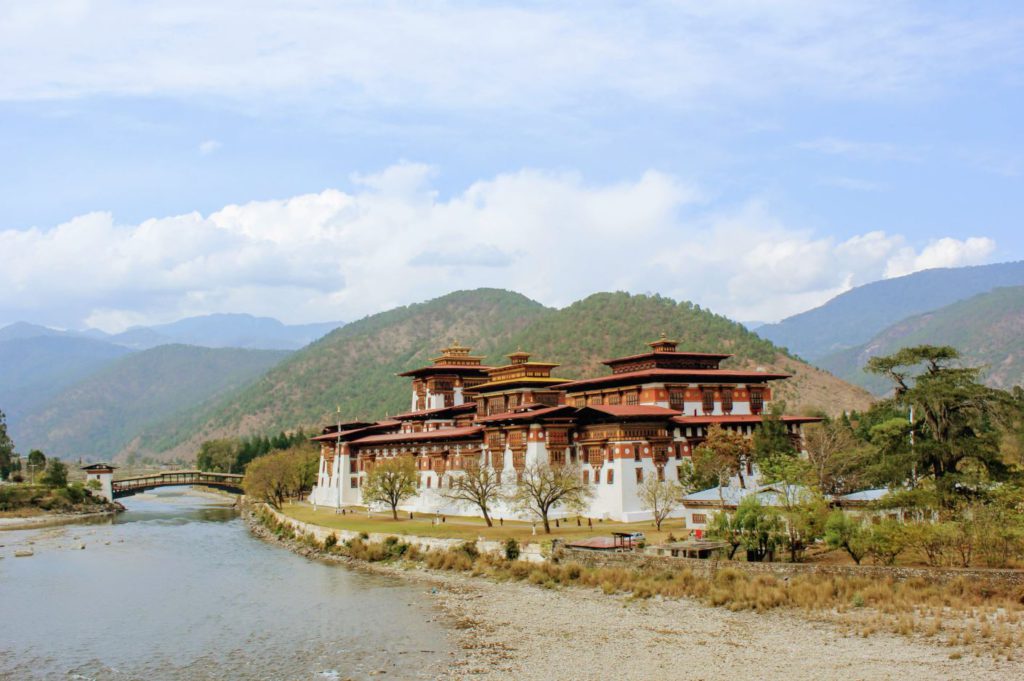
[(354, 367), (100, 415), (987, 329), (36, 367), (854, 317)]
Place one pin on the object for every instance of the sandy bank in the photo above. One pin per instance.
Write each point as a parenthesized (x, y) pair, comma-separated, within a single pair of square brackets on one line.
[(51, 519)]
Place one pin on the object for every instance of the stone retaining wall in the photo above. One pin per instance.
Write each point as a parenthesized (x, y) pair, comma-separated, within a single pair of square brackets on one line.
[(705, 568), (529, 552)]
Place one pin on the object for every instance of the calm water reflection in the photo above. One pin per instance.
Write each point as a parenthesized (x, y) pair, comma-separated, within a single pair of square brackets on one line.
[(176, 588)]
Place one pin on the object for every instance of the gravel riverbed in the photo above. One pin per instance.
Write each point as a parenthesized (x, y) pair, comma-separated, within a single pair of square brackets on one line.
[(526, 632)]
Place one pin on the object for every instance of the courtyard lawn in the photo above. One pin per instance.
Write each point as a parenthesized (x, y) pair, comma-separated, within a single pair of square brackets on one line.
[(471, 527)]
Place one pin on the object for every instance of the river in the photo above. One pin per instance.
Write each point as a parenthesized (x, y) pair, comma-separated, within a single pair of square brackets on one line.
[(177, 588)]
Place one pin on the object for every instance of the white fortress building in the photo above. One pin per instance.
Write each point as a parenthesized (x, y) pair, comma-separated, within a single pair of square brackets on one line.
[(642, 420)]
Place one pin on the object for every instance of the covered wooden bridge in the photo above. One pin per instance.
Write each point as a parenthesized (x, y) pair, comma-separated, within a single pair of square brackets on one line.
[(126, 487)]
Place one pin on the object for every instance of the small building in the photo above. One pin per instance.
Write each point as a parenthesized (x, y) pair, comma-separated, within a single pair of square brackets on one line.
[(691, 548), (103, 473)]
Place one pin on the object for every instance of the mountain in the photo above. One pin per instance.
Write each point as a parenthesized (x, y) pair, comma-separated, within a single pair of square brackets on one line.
[(854, 317), (988, 329), (101, 414), (22, 330), (225, 331), (354, 367), (34, 368)]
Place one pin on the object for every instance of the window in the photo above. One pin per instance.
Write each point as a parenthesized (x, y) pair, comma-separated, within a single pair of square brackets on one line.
[(633, 398), (354, 482), (699, 518), (596, 399), (611, 476), (615, 399), (661, 474), (513, 400), (428, 482), (708, 400), (580, 402), (679, 450), (727, 400), (676, 398), (639, 476), (636, 453), (586, 477), (353, 466), (756, 401)]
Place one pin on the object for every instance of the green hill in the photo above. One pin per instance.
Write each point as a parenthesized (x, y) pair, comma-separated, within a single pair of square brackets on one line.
[(35, 368), (988, 329), (103, 413), (854, 317), (354, 367)]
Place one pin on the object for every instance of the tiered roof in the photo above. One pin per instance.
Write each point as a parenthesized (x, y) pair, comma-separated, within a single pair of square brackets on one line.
[(454, 359), (520, 372)]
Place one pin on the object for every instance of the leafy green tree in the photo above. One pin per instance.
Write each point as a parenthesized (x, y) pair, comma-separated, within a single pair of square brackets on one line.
[(771, 440), (887, 540), (955, 415), (219, 456), (847, 533), (390, 482), (724, 527), (56, 474), (36, 458), (760, 527), (7, 464)]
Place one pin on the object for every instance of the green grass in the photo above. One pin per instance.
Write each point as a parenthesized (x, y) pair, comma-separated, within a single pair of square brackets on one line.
[(470, 527)]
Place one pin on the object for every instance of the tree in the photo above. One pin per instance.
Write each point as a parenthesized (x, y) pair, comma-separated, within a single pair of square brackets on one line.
[(660, 497), (771, 440), (724, 526), (953, 413), (220, 456), (887, 540), (478, 486), (544, 487), (275, 477), (835, 456), (390, 482), (7, 463), (36, 462), (844, 532), (760, 528), (723, 453), (56, 474)]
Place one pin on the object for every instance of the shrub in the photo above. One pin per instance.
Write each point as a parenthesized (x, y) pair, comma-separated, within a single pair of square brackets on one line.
[(330, 542), (511, 549)]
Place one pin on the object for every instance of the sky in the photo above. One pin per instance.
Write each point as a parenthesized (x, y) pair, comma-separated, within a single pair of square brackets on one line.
[(321, 161)]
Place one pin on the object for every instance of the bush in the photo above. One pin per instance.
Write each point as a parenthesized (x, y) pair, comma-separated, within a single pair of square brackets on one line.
[(511, 549), (330, 542)]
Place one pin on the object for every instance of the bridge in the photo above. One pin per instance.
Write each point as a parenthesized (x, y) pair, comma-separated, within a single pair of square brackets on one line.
[(126, 487)]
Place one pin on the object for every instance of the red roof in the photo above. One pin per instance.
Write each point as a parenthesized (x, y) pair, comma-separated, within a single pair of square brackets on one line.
[(628, 410), (739, 418), (439, 434), (671, 375), (347, 434), (467, 407), (671, 355), (447, 369), (524, 415)]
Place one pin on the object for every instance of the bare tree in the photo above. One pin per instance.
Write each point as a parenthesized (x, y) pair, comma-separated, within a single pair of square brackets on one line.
[(390, 482), (544, 487), (478, 486), (660, 497)]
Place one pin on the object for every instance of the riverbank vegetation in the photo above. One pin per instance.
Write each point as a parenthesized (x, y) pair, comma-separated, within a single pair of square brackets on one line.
[(284, 474), (966, 615)]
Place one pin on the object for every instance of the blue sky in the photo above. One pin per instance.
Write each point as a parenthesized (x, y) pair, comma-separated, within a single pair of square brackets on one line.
[(317, 161)]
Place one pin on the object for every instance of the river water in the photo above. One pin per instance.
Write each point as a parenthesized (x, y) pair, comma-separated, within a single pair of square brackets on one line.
[(177, 588)]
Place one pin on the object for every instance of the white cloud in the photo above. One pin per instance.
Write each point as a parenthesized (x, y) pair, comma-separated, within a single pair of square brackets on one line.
[(393, 240), (490, 55), (872, 151), (207, 147), (945, 252)]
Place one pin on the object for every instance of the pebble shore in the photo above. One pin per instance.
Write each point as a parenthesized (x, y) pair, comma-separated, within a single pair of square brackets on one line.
[(529, 633)]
